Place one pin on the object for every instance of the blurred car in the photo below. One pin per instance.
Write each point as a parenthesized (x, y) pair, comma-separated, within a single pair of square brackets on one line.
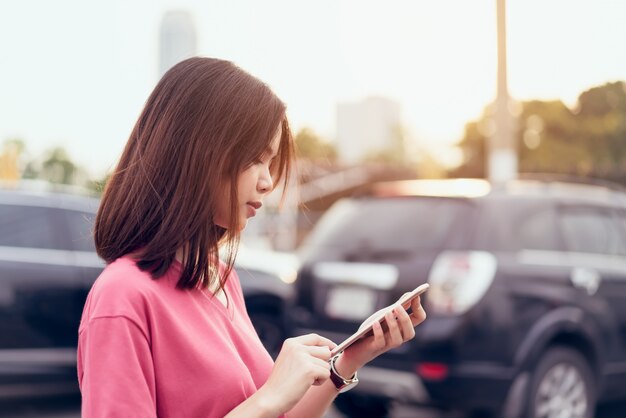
[(527, 305), (47, 266), (267, 282)]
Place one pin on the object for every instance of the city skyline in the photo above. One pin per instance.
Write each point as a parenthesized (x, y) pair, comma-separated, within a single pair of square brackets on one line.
[(76, 75)]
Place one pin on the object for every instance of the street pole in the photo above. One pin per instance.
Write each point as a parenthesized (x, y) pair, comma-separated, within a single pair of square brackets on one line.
[(502, 149)]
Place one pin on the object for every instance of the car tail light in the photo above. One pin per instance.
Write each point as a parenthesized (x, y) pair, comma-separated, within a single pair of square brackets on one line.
[(458, 280), (432, 371)]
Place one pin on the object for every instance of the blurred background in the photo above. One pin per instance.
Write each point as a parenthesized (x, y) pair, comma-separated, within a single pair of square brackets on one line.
[(376, 92)]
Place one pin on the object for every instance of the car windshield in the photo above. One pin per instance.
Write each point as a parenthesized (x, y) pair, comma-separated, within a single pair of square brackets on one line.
[(390, 224)]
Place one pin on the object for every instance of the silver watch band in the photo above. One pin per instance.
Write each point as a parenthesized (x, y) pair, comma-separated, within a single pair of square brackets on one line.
[(341, 383)]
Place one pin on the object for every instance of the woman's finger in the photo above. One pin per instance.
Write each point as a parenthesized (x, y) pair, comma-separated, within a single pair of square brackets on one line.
[(322, 352), (379, 336), (321, 362), (315, 339), (406, 324), (394, 330), (320, 374), (418, 315), (407, 305)]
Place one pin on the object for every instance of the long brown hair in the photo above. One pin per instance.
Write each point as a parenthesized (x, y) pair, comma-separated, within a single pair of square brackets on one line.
[(206, 121)]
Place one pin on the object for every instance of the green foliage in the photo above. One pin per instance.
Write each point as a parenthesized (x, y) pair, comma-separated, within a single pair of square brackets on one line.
[(587, 141), (97, 186), (57, 167), (310, 146)]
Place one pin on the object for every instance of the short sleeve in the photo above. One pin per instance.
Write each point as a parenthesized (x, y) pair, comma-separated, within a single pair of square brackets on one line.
[(115, 370)]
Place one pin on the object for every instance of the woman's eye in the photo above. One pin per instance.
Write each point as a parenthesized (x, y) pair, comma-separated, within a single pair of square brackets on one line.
[(265, 160)]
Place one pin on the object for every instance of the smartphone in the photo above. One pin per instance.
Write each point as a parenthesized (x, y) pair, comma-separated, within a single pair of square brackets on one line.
[(366, 331)]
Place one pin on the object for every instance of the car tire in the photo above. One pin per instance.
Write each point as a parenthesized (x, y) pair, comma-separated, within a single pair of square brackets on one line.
[(562, 385), (354, 405)]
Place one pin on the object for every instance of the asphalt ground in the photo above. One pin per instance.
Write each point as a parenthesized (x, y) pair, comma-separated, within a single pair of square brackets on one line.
[(69, 407)]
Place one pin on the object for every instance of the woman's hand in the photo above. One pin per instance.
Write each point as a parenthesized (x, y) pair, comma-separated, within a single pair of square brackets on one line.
[(400, 328), (301, 363)]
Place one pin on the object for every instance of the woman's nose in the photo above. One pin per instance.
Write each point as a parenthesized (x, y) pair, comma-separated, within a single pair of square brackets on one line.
[(266, 183)]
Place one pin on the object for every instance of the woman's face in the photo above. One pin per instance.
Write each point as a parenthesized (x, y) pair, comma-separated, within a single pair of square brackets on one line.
[(253, 184)]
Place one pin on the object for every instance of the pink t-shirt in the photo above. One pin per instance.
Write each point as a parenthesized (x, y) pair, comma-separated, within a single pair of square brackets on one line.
[(147, 349)]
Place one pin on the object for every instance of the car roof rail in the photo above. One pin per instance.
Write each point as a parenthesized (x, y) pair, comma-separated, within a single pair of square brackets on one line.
[(572, 179), (43, 186)]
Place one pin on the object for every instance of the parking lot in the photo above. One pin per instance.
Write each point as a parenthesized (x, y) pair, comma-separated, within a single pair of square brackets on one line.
[(266, 290), (70, 408)]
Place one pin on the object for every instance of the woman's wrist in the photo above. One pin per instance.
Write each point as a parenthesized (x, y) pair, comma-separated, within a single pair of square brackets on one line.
[(267, 405), (346, 365)]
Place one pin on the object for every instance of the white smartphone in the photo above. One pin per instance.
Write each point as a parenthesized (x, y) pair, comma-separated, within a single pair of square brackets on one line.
[(366, 330)]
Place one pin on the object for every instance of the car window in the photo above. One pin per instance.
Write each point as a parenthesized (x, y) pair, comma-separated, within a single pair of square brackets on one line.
[(80, 230), (28, 227), (391, 224), (621, 220), (538, 231), (590, 230), (518, 224)]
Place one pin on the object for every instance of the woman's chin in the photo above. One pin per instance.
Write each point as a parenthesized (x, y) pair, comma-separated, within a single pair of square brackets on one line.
[(243, 222)]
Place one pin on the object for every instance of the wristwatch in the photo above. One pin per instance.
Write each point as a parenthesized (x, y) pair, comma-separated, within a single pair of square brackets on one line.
[(341, 383)]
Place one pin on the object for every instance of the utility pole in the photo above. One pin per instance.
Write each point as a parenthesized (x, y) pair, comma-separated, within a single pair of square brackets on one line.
[(502, 149)]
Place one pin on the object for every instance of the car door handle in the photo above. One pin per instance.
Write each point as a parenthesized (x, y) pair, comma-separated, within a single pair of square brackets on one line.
[(585, 278)]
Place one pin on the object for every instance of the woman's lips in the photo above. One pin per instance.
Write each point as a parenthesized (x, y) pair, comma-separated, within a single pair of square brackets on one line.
[(253, 207)]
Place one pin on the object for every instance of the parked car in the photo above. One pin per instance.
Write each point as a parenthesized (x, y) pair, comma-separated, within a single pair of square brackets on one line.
[(527, 305), (47, 266), (267, 279)]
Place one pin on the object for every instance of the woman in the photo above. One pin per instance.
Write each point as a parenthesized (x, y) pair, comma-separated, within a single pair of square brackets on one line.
[(164, 331)]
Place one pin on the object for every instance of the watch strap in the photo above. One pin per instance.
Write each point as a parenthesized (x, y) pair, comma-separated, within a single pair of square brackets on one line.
[(341, 383)]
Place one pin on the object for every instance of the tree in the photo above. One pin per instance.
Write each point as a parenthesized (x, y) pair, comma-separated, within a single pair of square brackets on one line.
[(97, 186), (589, 140), (310, 146), (58, 168)]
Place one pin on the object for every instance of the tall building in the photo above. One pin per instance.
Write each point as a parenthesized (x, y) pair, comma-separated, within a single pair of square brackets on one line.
[(366, 127), (177, 39)]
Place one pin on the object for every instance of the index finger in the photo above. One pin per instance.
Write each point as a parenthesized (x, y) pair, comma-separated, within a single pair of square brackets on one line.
[(417, 312), (316, 340), (322, 353)]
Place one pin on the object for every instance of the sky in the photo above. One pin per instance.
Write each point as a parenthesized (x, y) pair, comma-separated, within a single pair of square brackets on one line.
[(76, 73)]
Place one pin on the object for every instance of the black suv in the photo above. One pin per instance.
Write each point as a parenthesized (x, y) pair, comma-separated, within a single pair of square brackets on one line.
[(527, 305), (47, 266)]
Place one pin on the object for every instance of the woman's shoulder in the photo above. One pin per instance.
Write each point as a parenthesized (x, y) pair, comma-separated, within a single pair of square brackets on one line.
[(122, 289), (123, 275)]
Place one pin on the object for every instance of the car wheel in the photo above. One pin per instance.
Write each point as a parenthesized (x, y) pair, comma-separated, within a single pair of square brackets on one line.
[(562, 386), (270, 331), (353, 405)]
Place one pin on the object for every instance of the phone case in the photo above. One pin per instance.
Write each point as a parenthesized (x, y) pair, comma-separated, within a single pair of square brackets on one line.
[(367, 331)]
